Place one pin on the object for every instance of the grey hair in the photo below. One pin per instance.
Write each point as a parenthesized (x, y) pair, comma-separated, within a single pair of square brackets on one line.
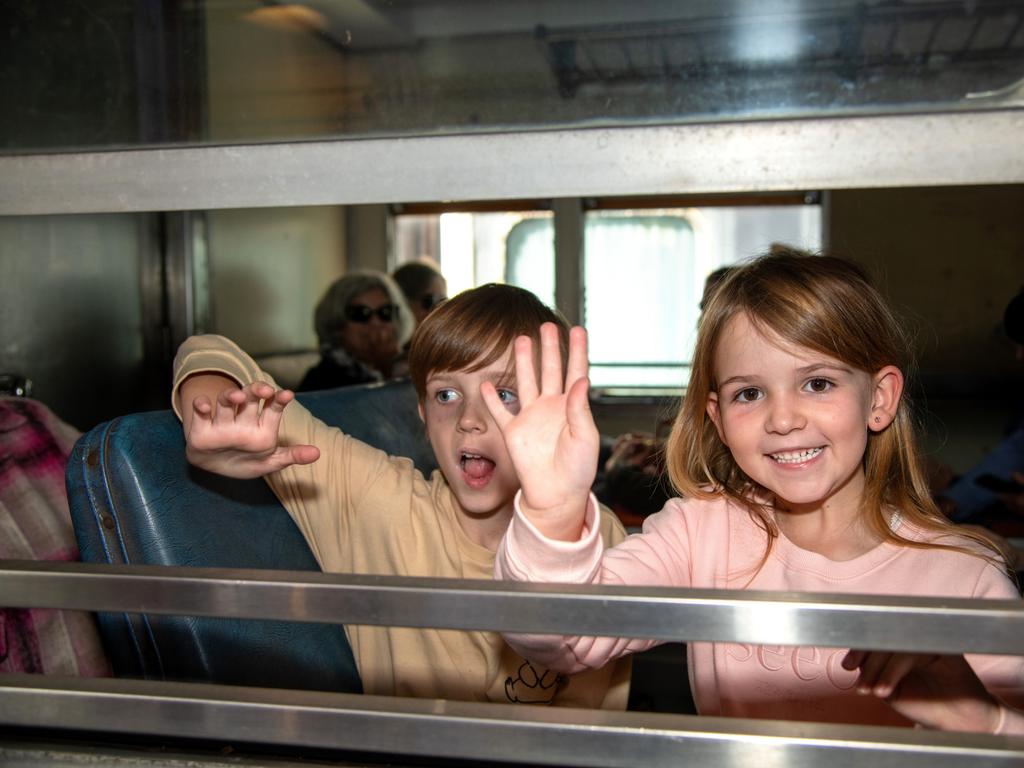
[(329, 317)]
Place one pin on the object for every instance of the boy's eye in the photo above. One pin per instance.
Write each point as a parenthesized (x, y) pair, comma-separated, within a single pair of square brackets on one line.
[(747, 395), (446, 395), (818, 385), (507, 396)]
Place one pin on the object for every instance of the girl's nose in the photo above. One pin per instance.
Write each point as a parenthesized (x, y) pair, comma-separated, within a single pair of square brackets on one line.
[(784, 416)]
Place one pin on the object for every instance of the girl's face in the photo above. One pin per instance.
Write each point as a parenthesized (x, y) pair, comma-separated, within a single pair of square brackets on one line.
[(796, 421)]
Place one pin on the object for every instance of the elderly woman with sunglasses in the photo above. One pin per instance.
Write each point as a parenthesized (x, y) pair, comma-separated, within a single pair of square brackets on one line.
[(362, 322)]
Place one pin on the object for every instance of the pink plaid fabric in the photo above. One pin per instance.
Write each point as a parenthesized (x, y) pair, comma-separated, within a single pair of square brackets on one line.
[(35, 525)]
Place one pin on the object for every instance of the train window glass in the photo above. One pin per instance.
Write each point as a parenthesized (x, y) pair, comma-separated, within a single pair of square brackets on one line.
[(124, 73), (515, 247), (655, 262), (643, 271)]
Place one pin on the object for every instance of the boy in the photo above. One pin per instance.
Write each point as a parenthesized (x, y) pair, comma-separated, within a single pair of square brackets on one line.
[(363, 511)]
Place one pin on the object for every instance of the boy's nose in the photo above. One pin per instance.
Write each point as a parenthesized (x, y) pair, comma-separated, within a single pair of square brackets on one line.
[(473, 417)]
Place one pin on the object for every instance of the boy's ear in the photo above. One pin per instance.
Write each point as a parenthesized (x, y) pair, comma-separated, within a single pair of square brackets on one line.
[(715, 415), (423, 416), (885, 398)]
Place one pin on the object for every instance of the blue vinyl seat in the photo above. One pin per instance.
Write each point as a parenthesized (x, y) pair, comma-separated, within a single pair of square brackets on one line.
[(135, 500)]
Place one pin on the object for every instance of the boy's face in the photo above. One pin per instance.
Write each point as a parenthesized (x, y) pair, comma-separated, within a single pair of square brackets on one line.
[(468, 445)]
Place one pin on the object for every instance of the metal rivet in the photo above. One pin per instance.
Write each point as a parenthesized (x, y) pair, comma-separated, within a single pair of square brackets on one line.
[(108, 522)]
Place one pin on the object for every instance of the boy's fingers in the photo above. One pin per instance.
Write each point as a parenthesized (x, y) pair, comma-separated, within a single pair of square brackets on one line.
[(202, 407), (526, 379), (302, 454), (494, 405), (550, 360), (579, 367)]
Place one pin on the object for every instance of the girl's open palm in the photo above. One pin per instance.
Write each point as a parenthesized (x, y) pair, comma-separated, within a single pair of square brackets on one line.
[(552, 440), (237, 434)]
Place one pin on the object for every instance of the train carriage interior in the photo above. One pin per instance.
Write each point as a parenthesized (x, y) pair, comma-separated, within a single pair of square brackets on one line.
[(178, 168)]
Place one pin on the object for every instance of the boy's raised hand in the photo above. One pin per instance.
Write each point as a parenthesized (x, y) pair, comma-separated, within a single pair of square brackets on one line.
[(552, 440), (234, 436)]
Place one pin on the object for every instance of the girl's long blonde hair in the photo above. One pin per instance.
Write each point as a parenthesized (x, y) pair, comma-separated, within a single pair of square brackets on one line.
[(828, 305)]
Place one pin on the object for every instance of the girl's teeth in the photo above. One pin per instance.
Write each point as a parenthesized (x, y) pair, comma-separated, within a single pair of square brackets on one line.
[(795, 457)]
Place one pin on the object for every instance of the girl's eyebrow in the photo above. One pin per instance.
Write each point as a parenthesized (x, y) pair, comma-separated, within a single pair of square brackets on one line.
[(815, 367), (742, 378)]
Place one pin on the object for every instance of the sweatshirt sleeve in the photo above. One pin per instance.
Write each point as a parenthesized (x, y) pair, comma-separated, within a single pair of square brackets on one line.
[(1003, 676), (650, 558), (323, 497)]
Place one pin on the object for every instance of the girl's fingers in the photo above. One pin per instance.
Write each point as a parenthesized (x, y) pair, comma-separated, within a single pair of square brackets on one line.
[(550, 360), (579, 367), (526, 380), (871, 667), (497, 409), (852, 659), (581, 421)]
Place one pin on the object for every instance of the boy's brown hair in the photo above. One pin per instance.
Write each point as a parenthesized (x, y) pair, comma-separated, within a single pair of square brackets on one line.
[(473, 329)]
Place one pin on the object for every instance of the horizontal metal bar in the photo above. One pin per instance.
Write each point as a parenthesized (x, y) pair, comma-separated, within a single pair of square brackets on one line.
[(969, 147), (935, 625), (474, 731)]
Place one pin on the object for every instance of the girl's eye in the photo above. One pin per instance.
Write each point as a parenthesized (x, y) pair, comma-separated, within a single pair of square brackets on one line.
[(446, 395), (818, 385), (507, 396), (747, 395)]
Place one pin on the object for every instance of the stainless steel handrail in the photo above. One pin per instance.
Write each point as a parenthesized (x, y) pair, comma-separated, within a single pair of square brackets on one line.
[(936, 625), (496, 732), (493, 732)]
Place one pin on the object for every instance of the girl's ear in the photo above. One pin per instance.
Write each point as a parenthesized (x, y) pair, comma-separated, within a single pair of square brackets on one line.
[(885, 399), (715, 415)]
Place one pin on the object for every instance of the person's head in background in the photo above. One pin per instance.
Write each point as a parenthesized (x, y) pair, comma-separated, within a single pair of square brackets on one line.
[(365, 315), (1013, 322), (423, 285), (711, 282)]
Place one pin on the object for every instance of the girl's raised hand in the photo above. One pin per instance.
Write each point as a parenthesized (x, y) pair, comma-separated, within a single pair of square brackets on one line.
[(552, 441), (236, 435), (936, 691)]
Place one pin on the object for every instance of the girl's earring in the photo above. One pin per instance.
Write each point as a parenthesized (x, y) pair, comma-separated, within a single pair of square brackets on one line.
[(877, 419)]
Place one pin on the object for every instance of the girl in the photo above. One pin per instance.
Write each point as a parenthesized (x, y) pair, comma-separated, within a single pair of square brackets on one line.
[(795, 457)]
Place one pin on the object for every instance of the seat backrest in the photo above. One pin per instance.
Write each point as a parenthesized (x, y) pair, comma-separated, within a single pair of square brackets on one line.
[(135, 500)]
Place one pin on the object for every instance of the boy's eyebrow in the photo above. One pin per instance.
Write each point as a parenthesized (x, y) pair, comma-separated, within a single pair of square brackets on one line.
[(498, 378)]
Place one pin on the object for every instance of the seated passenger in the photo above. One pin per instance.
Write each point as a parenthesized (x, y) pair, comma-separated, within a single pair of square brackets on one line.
[(794, 452), (362, 321), (991, 493), (35, 525), (423, 286), (363, 511)]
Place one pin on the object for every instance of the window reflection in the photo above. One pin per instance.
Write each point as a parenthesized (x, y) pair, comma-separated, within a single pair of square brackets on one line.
[(123, 73)]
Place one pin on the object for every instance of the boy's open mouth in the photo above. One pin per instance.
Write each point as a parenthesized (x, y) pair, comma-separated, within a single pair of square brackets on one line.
[(476, 468)]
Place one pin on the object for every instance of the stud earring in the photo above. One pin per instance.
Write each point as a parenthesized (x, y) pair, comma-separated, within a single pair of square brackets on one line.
[(877, 419)]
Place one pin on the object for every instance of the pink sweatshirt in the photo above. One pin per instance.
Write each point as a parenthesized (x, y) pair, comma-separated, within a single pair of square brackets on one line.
[(716, 545)]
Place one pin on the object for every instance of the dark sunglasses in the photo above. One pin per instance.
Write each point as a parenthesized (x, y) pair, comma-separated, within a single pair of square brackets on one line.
[(360, 313), (430, 300)]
